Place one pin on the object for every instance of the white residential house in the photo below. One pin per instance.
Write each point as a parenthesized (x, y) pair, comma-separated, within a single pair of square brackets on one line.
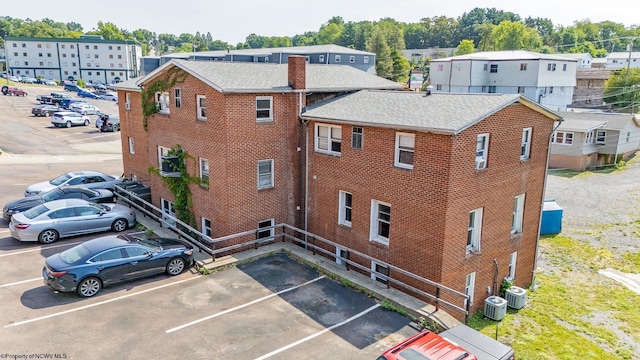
[(619, 60), (546, 79), (584, 59), (89, 57)]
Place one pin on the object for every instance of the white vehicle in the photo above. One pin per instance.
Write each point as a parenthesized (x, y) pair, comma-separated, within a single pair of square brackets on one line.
[(84, 109), (110, 96), (69, 119)]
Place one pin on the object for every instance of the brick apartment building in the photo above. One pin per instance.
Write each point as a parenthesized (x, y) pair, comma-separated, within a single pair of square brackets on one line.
[(439, 185)]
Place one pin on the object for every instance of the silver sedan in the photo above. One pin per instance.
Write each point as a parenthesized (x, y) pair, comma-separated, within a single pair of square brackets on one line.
[(69, 119), (50, 221)]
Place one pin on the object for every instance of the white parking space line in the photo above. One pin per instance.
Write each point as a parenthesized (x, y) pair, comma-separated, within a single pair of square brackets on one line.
[(90, 138), (98, 303), (39, 249), (284, 348), (20, 282), (241, 306)]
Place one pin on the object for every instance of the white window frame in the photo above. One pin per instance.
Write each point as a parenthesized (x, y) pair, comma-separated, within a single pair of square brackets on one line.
[(525, 150), (177, 96), (330, 139), (357, 137), (266, 175), (127, 100), (321, 59), (341, 255), (337, 58), (474, 232), (345, 208), (366, 59), (513, 258), (563, 138), (518, 214), (375, 269), (201, 107), (482, 151), (204, 170), (270, 233), (405, 143), (259, 109), (206, 226), (601, 136), (376, 221), (352, 59), (470, 286), (493, 68), (162, 151), (162, 102), (131, 147)]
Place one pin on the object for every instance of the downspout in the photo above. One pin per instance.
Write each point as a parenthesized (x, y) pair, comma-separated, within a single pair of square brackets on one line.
[(544, 190), (306, 167)]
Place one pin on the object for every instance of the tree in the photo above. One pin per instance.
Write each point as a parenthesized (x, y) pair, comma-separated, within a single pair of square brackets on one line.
[(510, 35), (378, 45), (329, 33), (108, 31), (622, 89), (416, 35), (401, 66), (465, 47)]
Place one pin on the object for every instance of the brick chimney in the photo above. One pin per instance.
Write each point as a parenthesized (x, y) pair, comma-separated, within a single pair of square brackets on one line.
[(297, 72)]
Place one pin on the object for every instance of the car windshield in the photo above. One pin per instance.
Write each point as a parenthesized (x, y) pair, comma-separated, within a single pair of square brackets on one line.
[(35, 211), (150, 243), (52, 195), (74, 254), (60, 179), (101, 207)]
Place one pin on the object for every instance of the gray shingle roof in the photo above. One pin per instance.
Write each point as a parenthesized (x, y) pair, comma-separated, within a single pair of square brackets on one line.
[(507, 55), (128, 85), (242, 77), (439, 112), (302, 50), (582, 121)]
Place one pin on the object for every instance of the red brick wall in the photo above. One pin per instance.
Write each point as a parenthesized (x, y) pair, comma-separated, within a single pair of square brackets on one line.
[(131, 125)]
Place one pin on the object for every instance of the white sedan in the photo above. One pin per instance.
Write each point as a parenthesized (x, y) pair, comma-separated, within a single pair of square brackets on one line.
[(69, 119), (110, 96), (84, 109)]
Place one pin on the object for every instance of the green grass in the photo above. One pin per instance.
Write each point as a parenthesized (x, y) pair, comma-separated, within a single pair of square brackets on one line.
[(575, 312)]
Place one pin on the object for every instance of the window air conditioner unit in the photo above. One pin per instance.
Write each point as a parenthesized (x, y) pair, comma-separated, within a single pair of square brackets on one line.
[(516, 297), (169, 166), (127, 106), (481, 164), (495, 308)]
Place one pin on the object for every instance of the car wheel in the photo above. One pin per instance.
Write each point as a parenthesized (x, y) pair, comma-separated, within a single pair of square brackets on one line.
[(47, 114), (117, 128), (68, 124), (84, 113), (175, 266), (119, 225), (89, 287), (87, 122), (48, 236)]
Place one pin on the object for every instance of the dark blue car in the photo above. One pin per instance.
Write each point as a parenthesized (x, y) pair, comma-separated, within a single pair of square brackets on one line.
[(88, 267), (89, 94)]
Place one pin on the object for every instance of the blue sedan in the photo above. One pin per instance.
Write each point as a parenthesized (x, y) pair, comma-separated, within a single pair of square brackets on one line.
[(88, 94), (107, 260)]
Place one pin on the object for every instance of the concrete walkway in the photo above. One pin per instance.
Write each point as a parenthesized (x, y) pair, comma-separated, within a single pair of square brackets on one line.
[(413, 306)]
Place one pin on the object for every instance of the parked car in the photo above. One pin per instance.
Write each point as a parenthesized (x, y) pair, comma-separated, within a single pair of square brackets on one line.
[(50, 83), (110, 96), (99, 86), (459, 342), (88, 267), (89, 179), (69, 119), (14, 79), (68, 103), (28, 80), (48, 222), (88, 94), (84, 108), (72, 87), (13, 91), (110, 122), (62, 192), (44, 110)]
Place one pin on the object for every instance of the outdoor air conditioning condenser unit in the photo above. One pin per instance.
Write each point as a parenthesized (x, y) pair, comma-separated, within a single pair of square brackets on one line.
[(516, 297), (495, 308)]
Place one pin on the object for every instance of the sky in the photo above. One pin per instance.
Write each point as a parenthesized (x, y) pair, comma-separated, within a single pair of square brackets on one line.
[(232, 21)]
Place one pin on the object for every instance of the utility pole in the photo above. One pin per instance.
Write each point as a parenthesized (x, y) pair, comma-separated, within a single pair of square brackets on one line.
[(629, 49)]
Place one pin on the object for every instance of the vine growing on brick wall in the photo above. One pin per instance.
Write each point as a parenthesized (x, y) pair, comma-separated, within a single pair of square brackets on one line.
[(179, 186), (174, 75)]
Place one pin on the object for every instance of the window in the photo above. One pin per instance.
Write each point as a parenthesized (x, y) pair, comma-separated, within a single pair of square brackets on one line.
[(550, 89), (73, 55), (264, 108), (41, 63), (352, 59), (204, 171), (601, 136), (177, 92), (379, 269), (86, 47), (72, 46), (73, 64), (15, 45), (551, 67), (525, 150), (561, 137), (328, 139), (265, 174), (201, 107), (482, 149), (265, 229), (162, 102), (112, 65), (345, 207), (564, 67), (523, 66), (127, 100), (88, 56), (380, 222), (492, 89), (24, 45), (48, 46), (628, 136), (518, 214), (356, 137), (439, 87), (131, 148), (485, 67), (110, 47), (39, 54), (474, 231), (494, 68), (520, 89), (119, 56), (306, 59), (366, 59), (95, 47), (24, 54), (404, 150), (26, 63), (470, 285), (337, 58), (39, 46), (206, 227), (48, 54), (96, 56), (321, 58), (15, 54), (440, 67), (162, 151), (88, 64), (512, 265), (118, 48)]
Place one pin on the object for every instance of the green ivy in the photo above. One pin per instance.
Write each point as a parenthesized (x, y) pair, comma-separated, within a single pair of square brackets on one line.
[(179, 186), (174, 75)]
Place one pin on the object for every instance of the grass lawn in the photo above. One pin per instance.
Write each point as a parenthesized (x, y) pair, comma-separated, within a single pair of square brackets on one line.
[(574, 313)]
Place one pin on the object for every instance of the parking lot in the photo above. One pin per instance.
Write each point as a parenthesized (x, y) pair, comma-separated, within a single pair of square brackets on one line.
[(271, 308)]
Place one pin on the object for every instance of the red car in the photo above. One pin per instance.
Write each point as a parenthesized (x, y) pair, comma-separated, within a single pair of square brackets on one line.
[(13, 90), (460, 342)]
